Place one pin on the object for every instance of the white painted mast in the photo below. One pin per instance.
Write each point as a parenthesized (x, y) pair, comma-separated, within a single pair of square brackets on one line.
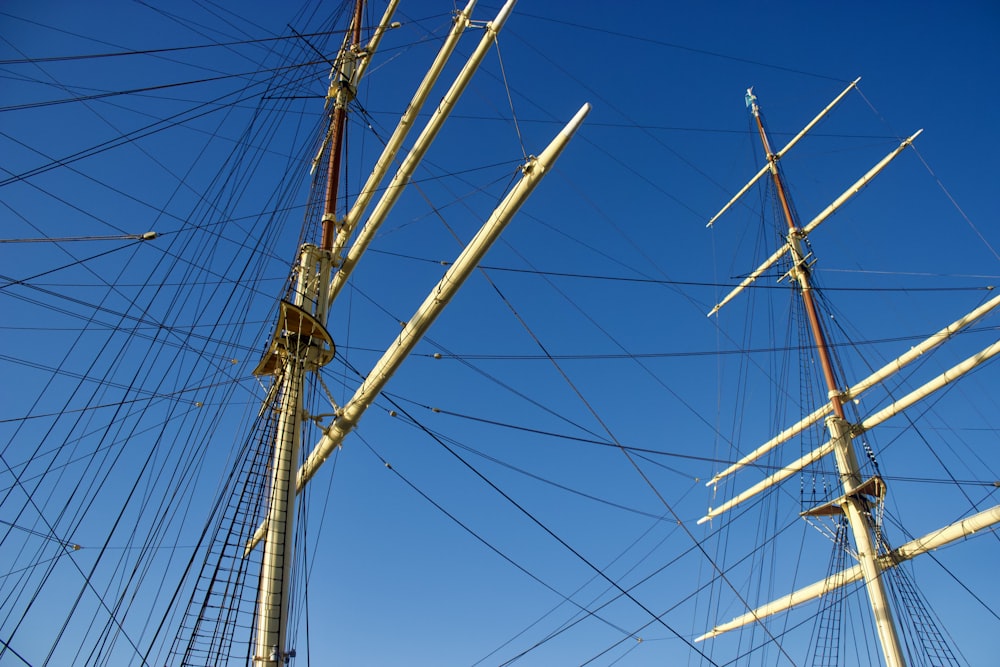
[(860, 498), (293, 351), (301, 344), (854, 504)]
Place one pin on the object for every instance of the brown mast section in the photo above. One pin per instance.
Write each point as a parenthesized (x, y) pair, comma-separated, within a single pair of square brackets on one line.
[(801, 269), (341, 91), (854, 503), (300, 345)]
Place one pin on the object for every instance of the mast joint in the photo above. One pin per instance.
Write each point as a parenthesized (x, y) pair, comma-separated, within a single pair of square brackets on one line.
[(343, 84)]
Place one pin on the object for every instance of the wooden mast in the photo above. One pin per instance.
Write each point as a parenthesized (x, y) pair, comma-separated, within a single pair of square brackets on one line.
[(300, 344), (341, 92), (855, 505), (859, 497)]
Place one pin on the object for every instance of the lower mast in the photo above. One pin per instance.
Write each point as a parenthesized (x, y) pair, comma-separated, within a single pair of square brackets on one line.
[(301, 344)]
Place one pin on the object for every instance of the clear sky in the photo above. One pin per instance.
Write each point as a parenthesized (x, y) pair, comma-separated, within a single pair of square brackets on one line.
[(547, 471)]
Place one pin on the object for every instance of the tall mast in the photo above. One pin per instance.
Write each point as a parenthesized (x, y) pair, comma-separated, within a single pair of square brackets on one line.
[(300, 344), (854, 503), (861, 501)]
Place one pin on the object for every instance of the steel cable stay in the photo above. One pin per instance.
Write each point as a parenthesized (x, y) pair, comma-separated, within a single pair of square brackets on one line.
[(937, 181), (222, 280), (599, 571), (216, 263), (570, 623), (586, 610), (144, 237), (747, 351), (689, 283), (27, 280), (152, 52), (538, 478), (547, 355), (200, 110), (610, 155), (478, 370), (146, 89), (438, 439), (479, 537), (93, 216), (650, 127), (146, 395), (697, 547), (183, 331), (82, 439), (646, 453), (701, 587), (45, 536), (510, 99)]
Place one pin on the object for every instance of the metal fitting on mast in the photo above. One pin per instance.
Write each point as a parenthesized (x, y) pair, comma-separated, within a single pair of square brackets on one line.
[(343, 88)]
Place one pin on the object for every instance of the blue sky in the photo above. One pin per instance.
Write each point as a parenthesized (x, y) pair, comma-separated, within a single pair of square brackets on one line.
[(507, 494)]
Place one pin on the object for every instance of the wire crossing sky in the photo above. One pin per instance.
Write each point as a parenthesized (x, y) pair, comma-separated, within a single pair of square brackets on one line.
[(527, 489)]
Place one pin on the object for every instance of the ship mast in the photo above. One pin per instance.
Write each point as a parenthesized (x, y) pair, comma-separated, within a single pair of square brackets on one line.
[(301, 343), (859, 498), (855, 503)]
